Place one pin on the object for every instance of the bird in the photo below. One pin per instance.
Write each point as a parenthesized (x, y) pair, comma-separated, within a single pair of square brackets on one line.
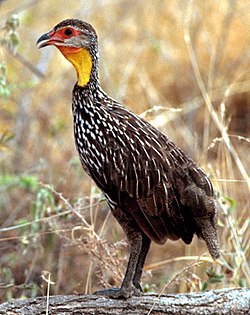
[(153, 188)]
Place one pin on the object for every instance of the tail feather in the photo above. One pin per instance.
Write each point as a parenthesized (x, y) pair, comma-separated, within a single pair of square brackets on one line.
[(204, 212), (210, 236)]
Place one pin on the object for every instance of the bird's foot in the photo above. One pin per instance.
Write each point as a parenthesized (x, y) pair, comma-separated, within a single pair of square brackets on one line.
[(120, 293), (137, 285)]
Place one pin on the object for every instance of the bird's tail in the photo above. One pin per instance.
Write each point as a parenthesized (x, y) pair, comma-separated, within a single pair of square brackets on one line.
[(210, 236)]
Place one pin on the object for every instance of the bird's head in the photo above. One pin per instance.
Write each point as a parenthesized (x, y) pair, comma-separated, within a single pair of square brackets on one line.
[(77, 41)]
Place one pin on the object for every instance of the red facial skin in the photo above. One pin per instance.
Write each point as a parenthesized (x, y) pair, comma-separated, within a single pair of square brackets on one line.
[(61, 34), (58, 37)]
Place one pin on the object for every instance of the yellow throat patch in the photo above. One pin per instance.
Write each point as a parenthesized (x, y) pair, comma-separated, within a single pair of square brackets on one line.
[(81, 60)]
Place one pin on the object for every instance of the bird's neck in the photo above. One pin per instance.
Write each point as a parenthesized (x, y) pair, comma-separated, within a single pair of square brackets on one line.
[(83, 63)]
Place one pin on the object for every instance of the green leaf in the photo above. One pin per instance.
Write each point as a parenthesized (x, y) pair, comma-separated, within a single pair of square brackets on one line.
[(231, 206), (216, 280), (29, 182), (204, 286)]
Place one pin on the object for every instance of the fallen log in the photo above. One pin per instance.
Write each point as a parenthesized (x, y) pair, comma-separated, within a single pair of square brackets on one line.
[(230, 301)]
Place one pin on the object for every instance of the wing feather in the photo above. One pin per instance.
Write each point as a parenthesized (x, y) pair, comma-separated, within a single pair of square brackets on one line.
[(147, 175)]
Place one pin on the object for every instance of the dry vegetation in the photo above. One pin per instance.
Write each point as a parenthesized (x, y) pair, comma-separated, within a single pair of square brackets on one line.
[(184, 66)]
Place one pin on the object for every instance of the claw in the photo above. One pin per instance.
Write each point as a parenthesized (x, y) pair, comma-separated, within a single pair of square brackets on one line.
[(120, 293)]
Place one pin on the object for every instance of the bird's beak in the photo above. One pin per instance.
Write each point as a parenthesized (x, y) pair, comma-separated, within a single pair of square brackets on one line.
[(44, 40), (48, 39)]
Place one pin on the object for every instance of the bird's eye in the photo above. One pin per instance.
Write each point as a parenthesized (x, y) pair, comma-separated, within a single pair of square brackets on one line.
[(68, 32)]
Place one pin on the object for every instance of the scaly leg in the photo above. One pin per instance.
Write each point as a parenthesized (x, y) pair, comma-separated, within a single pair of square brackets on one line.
[(139, 246), (144, 250)]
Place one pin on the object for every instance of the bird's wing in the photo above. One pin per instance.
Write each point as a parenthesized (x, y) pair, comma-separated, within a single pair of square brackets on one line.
[(146, 174)]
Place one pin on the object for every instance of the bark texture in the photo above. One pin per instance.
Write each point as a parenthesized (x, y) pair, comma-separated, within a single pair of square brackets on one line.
[(217, 302)]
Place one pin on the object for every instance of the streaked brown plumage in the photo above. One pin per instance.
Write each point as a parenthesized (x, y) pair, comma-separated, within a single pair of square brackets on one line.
[(155, 191)]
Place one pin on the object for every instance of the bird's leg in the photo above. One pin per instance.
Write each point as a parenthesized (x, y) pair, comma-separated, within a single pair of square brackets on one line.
[(136, 259), (128, 288), (138, 272)]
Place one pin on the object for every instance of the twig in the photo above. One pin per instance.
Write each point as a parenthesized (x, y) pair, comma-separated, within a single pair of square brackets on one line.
[(206, 97), (26, 63), (173, 279)]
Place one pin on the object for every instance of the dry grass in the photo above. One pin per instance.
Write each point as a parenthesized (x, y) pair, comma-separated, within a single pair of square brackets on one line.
[(184, 66)]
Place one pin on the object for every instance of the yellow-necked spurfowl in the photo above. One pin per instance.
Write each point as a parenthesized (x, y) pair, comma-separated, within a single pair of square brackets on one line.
[(154, 190)]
